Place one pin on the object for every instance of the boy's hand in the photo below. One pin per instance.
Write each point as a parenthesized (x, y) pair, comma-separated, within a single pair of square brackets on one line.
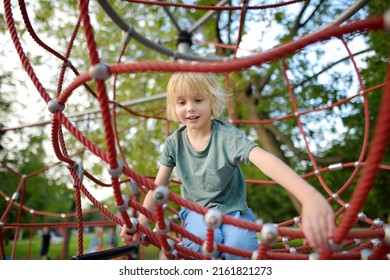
[(318, 221), (130, 239)]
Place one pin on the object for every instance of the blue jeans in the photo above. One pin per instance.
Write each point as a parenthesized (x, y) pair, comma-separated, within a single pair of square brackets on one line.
[(228, 235)]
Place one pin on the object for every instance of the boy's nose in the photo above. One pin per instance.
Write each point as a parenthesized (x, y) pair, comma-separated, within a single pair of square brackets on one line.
[(190, 107)]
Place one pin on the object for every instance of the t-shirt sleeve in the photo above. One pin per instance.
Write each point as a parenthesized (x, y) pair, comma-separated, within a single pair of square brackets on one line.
[(241, 147), (167, 157)]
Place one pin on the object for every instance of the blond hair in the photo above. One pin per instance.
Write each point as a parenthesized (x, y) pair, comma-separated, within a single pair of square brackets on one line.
[(205, 84)]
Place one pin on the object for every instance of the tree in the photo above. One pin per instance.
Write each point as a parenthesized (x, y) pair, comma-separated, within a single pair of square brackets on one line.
[(23, 152)]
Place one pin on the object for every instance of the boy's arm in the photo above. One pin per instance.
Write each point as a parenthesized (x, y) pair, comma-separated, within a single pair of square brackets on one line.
[(162, 178), (317, 215)]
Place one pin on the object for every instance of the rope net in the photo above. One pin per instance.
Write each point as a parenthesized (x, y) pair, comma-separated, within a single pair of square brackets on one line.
[(348, 243)]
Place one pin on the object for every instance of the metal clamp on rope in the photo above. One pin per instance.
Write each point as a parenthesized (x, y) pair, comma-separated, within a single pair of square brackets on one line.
[(209, 254), (213, 218), (165, 230), (365, 254), (160, 195), (375, 242), (68, 63), (79, 169), (314, 256), (144, 240), (255, 254), (134, 223), (334, 246), (378, 222), (15, 196), (171, 244), (99, 71), (362, 216), (269, 232), (335, 166), (80, 172), (297, 220), (125, 205), (133, 186), (127, 35), (53, 105), (116, 172)]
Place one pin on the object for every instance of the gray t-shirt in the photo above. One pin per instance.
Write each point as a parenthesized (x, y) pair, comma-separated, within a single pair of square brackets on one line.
[(212, 177)]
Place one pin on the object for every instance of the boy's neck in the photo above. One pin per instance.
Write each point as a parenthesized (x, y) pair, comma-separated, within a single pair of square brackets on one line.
[(199, 138)]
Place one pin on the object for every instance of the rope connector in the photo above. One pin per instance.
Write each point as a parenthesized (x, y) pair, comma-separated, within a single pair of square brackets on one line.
[(79, 169), (362, 216), (163, 231), (334, 246), (335, 166), (116, 172), (357, 241), (365, 254), (297, 220), (68, 63), (209, 254), (144, 240), (213, 218), (375, 242), (171, 244), (134, 224), (378, 222), (15, 196), (125, 205), (160, 195), (254, 256), (314, 256), (335, 196), (133, 186), (127, 35), (244, 7), (53, 105), (99, 71), (269, 233)]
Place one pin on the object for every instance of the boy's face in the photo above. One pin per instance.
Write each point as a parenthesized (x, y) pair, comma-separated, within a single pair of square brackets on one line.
[(193, 109)]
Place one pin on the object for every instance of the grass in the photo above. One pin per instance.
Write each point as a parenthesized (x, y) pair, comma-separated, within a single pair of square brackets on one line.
[(55, 250)]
